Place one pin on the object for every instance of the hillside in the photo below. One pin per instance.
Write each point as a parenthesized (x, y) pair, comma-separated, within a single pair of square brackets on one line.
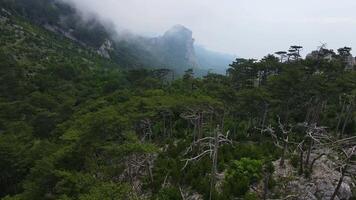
[(173, 50), (75, 125)]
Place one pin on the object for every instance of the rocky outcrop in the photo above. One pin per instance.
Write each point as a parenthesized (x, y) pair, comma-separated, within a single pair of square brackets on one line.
[(176, 48), (181, 39), (173, 50), (320, 185), (105, 49), (329, 55)]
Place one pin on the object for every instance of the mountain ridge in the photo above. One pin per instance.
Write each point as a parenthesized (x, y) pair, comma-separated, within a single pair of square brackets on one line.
[(175, 49)]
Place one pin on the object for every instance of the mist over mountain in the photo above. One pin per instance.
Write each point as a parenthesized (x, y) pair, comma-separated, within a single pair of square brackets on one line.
[(213, 61), (89, 111), (174, 49), (63, 19)]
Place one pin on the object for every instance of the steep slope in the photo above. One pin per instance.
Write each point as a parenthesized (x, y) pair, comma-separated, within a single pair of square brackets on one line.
[(64, 20), (61, 18), (173, 50), (177, 47), (74, 127), (30, 55), (43, 79)]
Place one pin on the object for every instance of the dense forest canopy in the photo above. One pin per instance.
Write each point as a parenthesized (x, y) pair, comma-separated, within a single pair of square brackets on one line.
[(77, 126)]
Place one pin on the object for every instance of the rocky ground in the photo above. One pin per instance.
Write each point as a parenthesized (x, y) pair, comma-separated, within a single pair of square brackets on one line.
[(320, 185)]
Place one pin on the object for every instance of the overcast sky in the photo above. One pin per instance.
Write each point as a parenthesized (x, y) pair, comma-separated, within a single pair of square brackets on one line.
[(247, 28)]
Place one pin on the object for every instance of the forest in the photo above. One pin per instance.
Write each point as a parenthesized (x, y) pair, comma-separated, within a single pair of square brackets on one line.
[(77, 126)]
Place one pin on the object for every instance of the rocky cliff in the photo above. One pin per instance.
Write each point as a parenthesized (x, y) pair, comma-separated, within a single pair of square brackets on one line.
[(174, 50)]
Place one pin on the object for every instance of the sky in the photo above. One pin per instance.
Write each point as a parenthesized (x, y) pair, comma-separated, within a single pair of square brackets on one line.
[(245, 28)]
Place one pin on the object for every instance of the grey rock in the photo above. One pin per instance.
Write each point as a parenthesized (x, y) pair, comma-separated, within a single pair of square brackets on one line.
[(105, 49)]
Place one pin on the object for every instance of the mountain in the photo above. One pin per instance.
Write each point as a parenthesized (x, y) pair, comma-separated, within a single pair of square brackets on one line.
[(174, 50), (31, 56), (75, 125), (176, 47), (61, 18), (213, 61)]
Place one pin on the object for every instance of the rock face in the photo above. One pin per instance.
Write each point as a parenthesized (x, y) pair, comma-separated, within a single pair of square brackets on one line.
[(321, 185), (173, 50), (329, 55), (176, 48), (350, 63), (105, 49), (182, 40)]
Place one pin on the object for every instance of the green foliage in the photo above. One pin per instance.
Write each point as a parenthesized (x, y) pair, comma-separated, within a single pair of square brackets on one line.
[(294, 160), (251, 196), (75, 126), (240, 175), (108, 191), (168, 194), (14, 162)]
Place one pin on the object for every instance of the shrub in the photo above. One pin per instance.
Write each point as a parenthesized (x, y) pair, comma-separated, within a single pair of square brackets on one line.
[(168, 194), (241, 175)]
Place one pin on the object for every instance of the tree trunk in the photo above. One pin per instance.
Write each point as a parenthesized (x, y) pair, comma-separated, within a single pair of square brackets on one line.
[(285, 146), (215, 162), (301, 161), (164, 126), (264, 116), (310, 146), (170, 126), (149, 169), (195, 130), (348, 116), (343, 171), (265, 185), (200, 124), (313, 162), (340, 116)]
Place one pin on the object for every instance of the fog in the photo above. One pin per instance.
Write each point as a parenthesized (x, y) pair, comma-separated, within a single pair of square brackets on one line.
[(247, 28)]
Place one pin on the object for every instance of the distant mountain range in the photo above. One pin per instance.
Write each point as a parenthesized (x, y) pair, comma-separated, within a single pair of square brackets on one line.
[(175, 49)]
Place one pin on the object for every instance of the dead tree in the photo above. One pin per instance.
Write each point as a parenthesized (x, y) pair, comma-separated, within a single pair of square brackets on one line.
[(301, 157), (315, 138), (314, 107), (349, 110), (265, 113), (145, 127), (285, 138), (199, 118), (345, 115), (346, 149), (280, 140), (167, 116), (267, 171), (192, 118), (137, 165), (209, 146)]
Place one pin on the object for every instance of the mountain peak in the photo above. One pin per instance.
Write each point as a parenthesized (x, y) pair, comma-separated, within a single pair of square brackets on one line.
[(179, 30), (179, 27)]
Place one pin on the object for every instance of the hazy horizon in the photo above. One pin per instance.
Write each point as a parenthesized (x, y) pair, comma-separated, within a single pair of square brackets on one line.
[(247, 28)]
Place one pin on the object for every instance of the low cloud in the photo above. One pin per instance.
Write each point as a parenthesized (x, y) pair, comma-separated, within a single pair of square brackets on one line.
[(249, 28)]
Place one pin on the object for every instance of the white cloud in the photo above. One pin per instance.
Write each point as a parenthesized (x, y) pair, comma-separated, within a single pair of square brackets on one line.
[(250, 28)]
